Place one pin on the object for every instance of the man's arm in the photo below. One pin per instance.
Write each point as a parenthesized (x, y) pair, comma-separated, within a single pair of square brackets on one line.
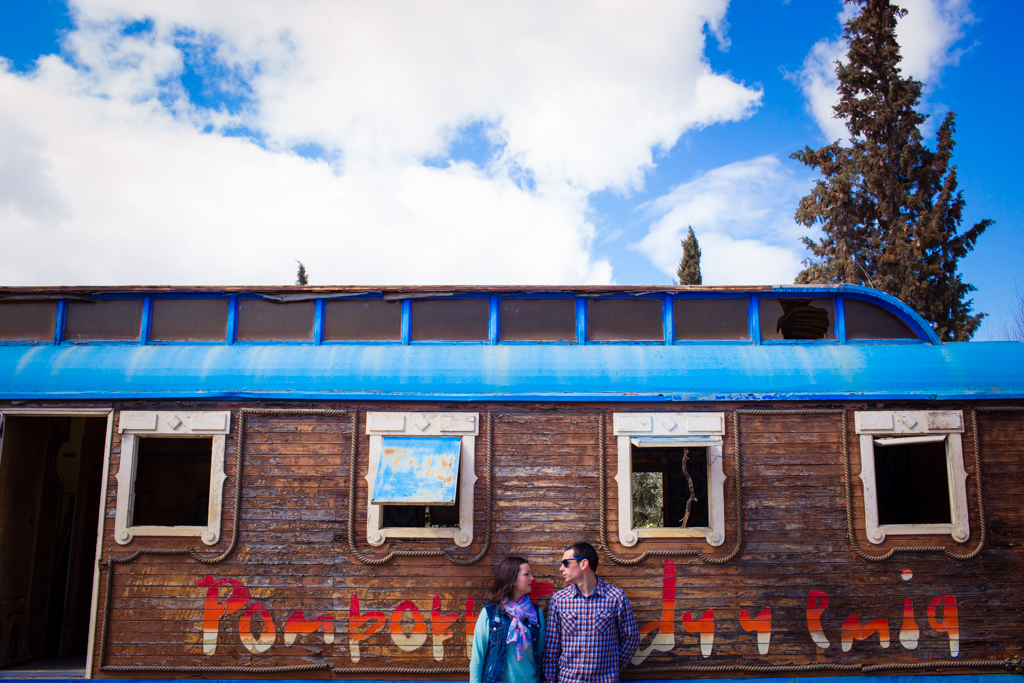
[(552, 644), (629, 633)]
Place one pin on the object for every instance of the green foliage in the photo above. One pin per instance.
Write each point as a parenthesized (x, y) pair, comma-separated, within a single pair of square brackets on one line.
[(648, 500), (888, 206), (301, 278), (688, 271)]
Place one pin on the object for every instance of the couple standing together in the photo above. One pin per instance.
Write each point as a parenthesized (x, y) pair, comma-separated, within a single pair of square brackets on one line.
[(590, 634)]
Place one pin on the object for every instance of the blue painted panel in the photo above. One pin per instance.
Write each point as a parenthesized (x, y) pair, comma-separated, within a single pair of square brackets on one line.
[(417, 471), (557, 372)]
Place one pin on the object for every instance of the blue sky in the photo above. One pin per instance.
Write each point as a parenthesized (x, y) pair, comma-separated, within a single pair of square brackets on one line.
[(503, 143)]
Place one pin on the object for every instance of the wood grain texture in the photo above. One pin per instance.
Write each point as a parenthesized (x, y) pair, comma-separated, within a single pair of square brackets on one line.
[(293, 551)]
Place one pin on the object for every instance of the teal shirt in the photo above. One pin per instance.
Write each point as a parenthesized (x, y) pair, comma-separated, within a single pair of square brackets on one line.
[(516, 671)]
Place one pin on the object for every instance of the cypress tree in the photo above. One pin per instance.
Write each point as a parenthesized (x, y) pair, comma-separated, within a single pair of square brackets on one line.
[(888, 206), (301, 277), (688, 271)]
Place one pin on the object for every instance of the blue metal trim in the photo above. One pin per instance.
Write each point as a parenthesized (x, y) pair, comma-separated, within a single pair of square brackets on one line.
[(232, 331), (406, 321), (839, 311), (493, 322), (755, 320), (58, 327), (931, 678), (581, 320), (361, 342), (318, 322), (147, 313), (668, 321), (705, 372)]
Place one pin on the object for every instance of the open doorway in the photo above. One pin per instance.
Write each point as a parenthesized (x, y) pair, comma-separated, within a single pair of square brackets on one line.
[(51, 470)]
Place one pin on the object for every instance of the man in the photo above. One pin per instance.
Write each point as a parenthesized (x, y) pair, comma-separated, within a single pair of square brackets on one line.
[(592, 633)]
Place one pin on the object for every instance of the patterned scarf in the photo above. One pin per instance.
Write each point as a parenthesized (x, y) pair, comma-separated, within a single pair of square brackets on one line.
[(522, 611)]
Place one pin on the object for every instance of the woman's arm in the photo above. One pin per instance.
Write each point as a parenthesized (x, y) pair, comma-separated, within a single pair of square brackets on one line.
[(481, 638)]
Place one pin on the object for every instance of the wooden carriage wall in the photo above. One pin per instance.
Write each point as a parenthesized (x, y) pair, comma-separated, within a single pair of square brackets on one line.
[(835, 492)]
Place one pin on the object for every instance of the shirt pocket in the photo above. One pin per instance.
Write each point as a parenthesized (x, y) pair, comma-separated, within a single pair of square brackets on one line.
[(604, 622), (569, 625)]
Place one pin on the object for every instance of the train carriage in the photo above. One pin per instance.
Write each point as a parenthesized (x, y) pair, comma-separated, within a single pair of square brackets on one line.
[(315, 482)]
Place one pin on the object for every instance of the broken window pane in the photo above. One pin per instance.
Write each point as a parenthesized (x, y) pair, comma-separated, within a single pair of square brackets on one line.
[(362, 320), (868, 321), (266, 320), (103, 320), (913, 483), (711, 319), (797, 319), (625, 320), (189, 320), (451, 319), (538, 320), (665, 492), (27, 320), (172, 482)]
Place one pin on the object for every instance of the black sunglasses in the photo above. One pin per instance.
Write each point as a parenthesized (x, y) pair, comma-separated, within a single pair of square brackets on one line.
[(565, 563)]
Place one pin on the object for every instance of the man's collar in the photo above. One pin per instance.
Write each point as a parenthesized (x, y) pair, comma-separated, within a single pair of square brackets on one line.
[(598, 588)]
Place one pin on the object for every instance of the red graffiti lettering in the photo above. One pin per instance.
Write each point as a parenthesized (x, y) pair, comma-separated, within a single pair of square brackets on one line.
[(297, 624), (358, 628), (909, 633), (440, 627), (541, 589), (705, 628), (852, 630), (471, 618), (762, 625), (268, 633), (417, 636), (213, 610), (950, 622), (665, 638), (817, 602)]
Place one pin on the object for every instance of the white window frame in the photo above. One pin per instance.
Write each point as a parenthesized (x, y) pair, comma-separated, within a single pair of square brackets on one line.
[(466, 425), (133, 424), (661, 430), (890, 427)]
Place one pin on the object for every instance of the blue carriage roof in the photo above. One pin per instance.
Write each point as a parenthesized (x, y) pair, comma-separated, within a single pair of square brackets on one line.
[(920, 368)]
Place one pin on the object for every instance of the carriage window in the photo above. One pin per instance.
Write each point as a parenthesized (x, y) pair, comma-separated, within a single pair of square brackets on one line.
[(27, 320), (451, 319), (867, 321), (538, 320), (670, 487), (805, 319), (170, 478), (362, 320), (913, 473), (625, 320), (103, 320), (711, 319), (189, 320), (421, 476), (670, 476), (266, 320), (172, 482)]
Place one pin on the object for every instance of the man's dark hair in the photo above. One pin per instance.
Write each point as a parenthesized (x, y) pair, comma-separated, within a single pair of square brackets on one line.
[(584, 551)]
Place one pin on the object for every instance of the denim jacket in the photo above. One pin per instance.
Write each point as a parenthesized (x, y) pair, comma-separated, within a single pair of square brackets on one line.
[(494, 664)]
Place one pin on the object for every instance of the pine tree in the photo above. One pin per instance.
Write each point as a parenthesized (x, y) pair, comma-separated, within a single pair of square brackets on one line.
[(888, 206), (301, 278), (688, 271)]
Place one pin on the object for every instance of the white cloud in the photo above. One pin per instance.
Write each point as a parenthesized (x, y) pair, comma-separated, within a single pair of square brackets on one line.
[(742, 215), (926, 36), (128, 182)]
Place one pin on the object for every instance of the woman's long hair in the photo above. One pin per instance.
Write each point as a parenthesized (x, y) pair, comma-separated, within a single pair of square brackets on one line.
[(505, 575)]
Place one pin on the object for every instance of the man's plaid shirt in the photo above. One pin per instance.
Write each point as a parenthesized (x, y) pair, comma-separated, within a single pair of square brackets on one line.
[(590, 639)]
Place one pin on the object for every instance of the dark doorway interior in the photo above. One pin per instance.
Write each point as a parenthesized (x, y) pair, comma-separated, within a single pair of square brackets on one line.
[(50, 481)]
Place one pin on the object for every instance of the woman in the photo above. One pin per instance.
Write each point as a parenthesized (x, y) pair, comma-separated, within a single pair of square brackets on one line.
[(509, 636)]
